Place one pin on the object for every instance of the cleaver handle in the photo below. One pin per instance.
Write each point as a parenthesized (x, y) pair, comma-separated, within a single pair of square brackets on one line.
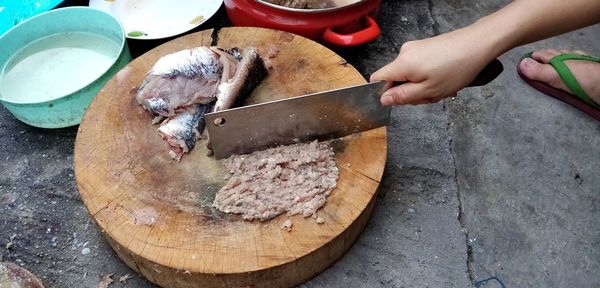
[(488, 74)]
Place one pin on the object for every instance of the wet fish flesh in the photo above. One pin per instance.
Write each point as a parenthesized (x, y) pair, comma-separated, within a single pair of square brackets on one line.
[(184, 78), (251, 70), (181, 131), (181, 87)]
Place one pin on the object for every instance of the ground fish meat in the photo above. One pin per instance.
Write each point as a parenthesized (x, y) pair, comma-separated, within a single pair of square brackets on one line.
[(294, 179), (287, 225)]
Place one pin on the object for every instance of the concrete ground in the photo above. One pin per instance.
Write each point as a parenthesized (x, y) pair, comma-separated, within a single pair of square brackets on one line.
[(498, 187)]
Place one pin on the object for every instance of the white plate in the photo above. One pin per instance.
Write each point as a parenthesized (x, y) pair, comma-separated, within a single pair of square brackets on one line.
[(156, 19)]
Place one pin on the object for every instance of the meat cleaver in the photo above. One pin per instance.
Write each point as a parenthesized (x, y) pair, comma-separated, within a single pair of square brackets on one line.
[(321, 116)]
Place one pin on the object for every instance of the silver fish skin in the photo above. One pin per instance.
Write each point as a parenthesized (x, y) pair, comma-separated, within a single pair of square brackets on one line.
[(181, 131), (181, 87), (184, 78), (250, 72)]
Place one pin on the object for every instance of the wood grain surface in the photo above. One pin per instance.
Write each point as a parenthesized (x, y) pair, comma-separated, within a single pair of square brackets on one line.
[(156, 212)]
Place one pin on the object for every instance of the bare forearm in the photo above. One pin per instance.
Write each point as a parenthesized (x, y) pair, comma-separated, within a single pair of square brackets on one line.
[(526, 21), (427, 69)]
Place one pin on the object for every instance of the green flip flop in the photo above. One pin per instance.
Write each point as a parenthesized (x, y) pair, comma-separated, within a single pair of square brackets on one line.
[(577, 97)]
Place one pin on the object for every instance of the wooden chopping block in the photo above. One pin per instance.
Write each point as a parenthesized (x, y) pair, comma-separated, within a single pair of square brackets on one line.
[(156, 212)]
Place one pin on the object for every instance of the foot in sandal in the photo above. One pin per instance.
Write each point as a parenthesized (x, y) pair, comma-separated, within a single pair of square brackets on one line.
[(571, 76)]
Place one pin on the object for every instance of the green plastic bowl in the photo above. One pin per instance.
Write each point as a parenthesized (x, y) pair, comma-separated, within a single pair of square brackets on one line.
[(62, 110)]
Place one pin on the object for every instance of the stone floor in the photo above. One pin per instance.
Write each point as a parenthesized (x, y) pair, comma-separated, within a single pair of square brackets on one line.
[(495, 188)]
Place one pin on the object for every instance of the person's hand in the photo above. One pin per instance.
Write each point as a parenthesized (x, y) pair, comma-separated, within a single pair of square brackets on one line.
[(429, 70)]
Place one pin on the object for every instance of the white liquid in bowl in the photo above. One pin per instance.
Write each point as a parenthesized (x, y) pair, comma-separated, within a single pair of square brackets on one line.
[(56, 66)]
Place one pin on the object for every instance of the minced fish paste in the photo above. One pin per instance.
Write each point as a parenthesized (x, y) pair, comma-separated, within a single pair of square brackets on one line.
[(294, 179)]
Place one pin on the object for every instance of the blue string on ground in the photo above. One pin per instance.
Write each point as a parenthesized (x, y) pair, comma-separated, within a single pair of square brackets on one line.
[(479, 284)]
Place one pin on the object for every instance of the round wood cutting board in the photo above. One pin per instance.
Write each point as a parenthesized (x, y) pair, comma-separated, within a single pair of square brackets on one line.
[(156, 212)]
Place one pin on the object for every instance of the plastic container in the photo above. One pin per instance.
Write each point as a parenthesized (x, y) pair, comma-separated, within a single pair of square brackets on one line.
[(80, 74)]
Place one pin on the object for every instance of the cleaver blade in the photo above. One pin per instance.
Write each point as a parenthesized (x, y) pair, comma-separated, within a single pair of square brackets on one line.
[(318, 116)]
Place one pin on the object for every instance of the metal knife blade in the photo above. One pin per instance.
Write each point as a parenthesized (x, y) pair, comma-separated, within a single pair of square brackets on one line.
[(324, 115)]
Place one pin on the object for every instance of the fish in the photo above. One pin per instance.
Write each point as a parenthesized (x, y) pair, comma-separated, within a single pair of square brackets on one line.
[(181, 131), (184, 78), (250, 72), (183, 86)]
